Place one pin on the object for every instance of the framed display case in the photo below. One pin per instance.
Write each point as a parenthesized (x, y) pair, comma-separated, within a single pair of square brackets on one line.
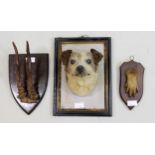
[(82, 77)]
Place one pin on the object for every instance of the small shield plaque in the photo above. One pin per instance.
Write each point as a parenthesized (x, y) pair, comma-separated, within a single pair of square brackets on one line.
[(131, 83)]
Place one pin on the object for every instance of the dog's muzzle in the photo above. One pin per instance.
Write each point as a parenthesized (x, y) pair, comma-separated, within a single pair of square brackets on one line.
[(80, 69)]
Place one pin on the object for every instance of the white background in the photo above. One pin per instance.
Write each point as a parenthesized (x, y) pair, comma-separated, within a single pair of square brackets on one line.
[(99, 15)]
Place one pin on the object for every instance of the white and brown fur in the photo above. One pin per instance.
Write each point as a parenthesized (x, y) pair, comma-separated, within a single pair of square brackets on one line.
[(81, 70)]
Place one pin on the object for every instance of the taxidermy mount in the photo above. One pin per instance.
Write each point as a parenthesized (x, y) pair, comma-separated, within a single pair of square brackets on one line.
[(28, 74), (81, 70), (29, 93), (131, 83)]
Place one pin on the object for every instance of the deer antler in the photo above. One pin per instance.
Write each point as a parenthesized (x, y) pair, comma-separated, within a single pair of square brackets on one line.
[(21, 90), (32, 94)]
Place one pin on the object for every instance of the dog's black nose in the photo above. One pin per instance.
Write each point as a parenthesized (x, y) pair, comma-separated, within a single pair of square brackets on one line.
[(80, 69)]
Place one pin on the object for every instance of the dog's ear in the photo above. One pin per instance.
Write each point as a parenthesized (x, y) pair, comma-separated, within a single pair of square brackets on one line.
[(97, 56), (65, 56)]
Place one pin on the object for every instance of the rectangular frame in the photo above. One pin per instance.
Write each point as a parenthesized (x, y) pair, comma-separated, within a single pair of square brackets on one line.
[(57, 111)]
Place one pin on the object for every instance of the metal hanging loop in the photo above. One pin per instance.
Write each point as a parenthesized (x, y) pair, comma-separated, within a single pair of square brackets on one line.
[(132, 58)]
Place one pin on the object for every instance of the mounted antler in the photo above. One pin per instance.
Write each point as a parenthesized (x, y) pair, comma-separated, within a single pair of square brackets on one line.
[(28, 77), (21, 91), (29, 96), (32, 93)]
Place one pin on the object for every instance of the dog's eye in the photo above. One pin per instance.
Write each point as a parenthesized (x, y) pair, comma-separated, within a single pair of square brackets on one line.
[(88, 61), (72, 61)]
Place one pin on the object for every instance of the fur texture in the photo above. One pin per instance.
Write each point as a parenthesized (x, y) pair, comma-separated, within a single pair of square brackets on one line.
[(81, 70)]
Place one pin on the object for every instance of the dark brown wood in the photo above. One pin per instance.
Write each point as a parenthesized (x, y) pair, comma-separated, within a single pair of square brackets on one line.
[(39, 77), (137, 69)]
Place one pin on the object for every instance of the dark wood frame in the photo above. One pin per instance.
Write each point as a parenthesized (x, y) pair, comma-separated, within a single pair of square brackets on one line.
[(57, 111)]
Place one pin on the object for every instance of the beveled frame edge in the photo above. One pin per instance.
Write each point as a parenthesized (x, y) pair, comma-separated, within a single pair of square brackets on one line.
[(82, 112)]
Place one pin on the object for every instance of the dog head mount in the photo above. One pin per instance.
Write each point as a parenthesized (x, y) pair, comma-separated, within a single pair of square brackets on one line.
[(81, 63), (81, 70)]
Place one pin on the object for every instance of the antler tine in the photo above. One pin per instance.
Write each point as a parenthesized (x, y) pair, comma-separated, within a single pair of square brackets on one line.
[(29, 62), (16, 51), (15, 47), (27, 48), (30, 87), (21, 90), (28, 58)]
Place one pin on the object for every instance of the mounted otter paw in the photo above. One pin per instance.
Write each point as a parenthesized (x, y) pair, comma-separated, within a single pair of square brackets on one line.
[(131, 84)]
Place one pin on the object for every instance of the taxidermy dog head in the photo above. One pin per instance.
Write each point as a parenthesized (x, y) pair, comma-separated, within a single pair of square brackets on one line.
[(81, 70)]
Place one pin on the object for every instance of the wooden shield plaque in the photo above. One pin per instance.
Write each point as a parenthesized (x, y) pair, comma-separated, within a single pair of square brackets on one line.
[(131, 83), (28, 76), (40, 77)]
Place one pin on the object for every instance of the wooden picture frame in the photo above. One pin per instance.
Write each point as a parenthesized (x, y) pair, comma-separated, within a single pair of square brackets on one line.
[(100, 106)]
